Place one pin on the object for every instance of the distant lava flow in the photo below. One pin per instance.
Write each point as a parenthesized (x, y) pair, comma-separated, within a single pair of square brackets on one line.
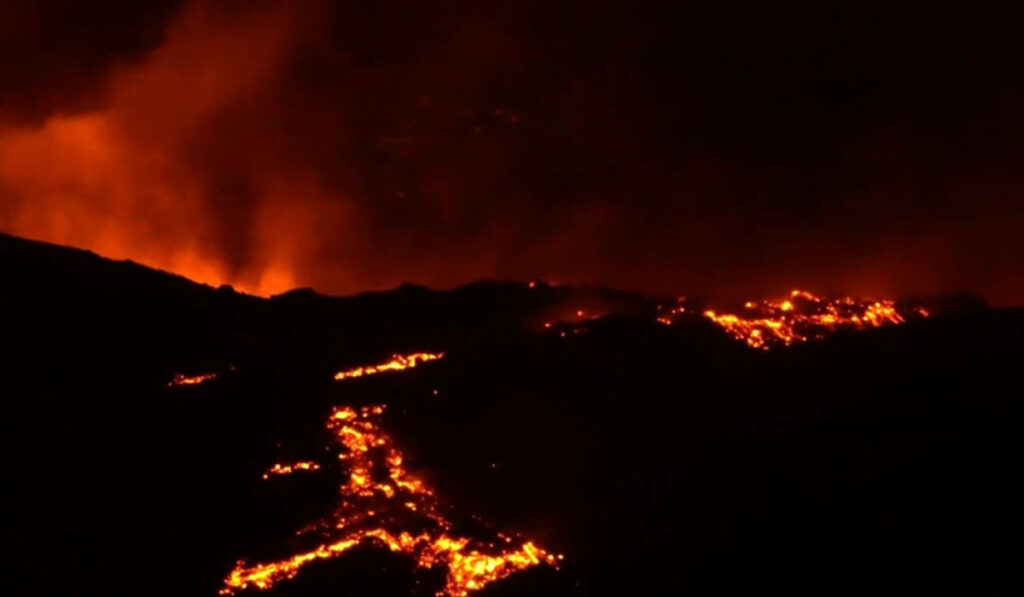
[(383, 504), (398, 362), (180, 379), (804, 316), (287, 469)]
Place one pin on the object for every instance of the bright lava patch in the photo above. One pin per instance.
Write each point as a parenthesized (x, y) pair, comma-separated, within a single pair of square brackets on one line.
[(398, 362), (803, 316), (287, 469), (181, 379)]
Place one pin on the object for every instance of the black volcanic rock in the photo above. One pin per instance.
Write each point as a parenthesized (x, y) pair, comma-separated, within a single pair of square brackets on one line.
[(658, 459)]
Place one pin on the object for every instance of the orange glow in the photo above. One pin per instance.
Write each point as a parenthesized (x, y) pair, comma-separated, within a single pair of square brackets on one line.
[(180, 379), (398, 362), (804, 316), (287, 469), (566, 319), (669, 317), (118, 180), (385, 505)]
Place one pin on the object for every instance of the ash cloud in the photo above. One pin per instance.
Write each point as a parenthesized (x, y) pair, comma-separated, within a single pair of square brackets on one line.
[(741, 149)]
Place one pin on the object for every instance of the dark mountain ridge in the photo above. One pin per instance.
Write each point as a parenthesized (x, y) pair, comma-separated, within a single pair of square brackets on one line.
[(657, 459)]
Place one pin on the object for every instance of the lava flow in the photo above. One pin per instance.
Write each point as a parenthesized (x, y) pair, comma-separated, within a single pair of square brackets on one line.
[(398, 362), (287, 469), (180, 379), (383, 504), (803, 316)]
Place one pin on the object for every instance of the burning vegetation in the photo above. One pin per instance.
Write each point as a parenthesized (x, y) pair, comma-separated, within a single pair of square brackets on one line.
[(383, 504)]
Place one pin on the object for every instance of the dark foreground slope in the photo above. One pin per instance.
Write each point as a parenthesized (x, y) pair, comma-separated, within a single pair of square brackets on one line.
[(658, 460)]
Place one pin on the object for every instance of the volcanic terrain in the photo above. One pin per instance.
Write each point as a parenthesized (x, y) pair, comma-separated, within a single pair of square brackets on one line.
[(168, 438)]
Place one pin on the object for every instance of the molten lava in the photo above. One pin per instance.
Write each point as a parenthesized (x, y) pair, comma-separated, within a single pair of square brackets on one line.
[(180, 379), (287, 469), (803, 316), (385, 505), (398, 362)]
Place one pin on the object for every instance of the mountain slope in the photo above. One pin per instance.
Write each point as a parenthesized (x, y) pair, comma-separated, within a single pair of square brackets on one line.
[(656, 459)]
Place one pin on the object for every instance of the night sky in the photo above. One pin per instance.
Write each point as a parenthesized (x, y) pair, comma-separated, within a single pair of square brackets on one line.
[(733, 148)]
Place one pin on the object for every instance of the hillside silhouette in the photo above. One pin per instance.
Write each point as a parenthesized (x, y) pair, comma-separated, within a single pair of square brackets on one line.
[(657, 459)]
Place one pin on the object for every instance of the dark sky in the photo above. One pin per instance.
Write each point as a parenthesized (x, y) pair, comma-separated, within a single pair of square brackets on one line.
[(723, 147)]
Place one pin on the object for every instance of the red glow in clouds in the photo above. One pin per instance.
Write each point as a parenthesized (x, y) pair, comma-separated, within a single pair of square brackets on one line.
[(357, 146), (119, 181)]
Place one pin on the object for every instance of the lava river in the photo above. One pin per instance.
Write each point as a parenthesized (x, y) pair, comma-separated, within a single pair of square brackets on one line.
[(799, 317), (383, 504)]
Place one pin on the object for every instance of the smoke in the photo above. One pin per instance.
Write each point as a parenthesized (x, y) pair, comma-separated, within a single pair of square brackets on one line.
[(245, 149), (269, 145), (126, 181)]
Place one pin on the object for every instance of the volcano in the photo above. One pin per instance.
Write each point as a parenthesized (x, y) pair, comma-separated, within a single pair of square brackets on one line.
[(168, 438)]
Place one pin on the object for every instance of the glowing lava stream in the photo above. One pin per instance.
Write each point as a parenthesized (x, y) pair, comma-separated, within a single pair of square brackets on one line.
[(287, 469), (385, 505), (803, 316), (398, 362), (180, 379)]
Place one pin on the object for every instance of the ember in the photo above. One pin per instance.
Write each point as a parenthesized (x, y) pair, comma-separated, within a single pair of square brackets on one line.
[(669, 316), (379, 499)]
